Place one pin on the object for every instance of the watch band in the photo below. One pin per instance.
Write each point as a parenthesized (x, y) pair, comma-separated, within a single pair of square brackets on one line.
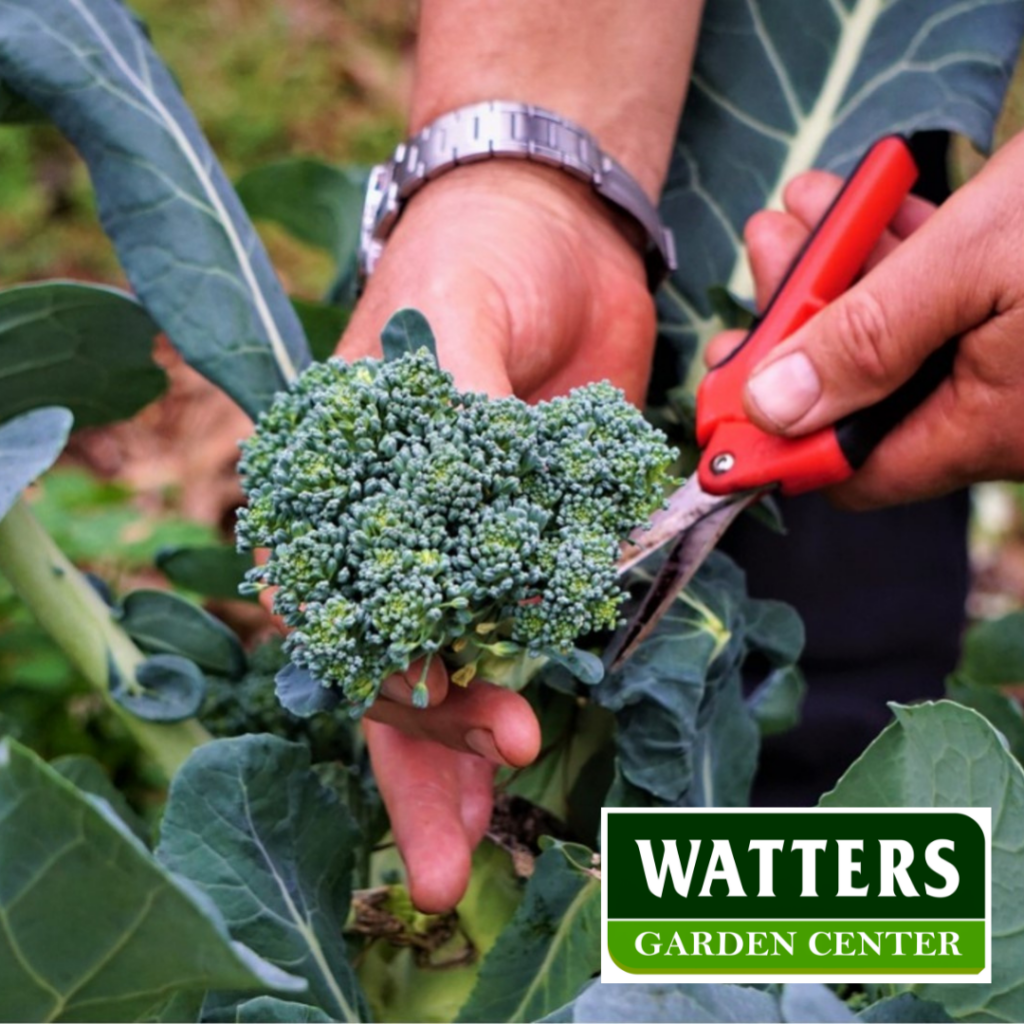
[(483, 131)]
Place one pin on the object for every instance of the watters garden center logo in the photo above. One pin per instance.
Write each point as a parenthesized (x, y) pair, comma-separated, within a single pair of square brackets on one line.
[(815, 895)]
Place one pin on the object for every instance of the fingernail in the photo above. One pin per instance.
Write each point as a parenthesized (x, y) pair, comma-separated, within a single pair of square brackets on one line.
[(786, 390), (481, 741), (397, 688)]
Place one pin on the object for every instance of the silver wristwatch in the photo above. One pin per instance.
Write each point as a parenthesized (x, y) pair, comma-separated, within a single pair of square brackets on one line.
[(501, 129)]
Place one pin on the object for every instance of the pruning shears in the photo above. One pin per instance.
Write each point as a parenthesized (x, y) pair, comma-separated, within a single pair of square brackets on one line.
[(739, 463)]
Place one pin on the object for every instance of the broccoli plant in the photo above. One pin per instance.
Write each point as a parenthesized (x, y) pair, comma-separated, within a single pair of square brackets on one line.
[(408, 520)]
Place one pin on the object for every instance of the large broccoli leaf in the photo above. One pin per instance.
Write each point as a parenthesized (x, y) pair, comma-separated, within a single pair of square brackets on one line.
[(251, 826), (945, 755), (93, 928), (83, 347), (186, 244)]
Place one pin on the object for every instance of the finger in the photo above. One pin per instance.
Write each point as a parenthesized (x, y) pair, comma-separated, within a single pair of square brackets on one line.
[(414, 689), (927, 455), (808, 197), (420, 785), (477, 796), (773, 241), (871, 339), (481, 719), (721, 346), (963, 433)]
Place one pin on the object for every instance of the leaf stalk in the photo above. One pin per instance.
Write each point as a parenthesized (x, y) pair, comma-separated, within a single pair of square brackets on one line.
[(68, 607)]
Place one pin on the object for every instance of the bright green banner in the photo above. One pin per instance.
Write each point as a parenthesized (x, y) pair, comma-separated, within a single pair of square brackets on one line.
[(798, 947)]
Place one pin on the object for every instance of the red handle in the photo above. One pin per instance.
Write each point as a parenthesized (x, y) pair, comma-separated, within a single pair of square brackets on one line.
[(737, 455)]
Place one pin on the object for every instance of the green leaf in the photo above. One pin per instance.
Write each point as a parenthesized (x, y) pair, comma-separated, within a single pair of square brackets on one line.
[(678, 1002), (267, 1010), (734, 312), (775, 630), (701, 1004), (576, 756), (993, 652), (674, 741), (301, 694), (323, 324), (29, 446), (90, 777), (87, 348), (213, 571), (181, 1006), (725, 751), (550, 948), (319, 204), (406, 332), (184, 240), (944, 755), (776, 703), (584, 666), (905, 1008), (814, 1004), (1003, 712), (814, 92), (164, 623), (253, 828), (170, 689), (94, 928)]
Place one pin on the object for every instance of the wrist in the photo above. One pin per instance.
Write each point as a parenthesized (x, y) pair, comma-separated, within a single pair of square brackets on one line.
[(510, 131), (556, 198)]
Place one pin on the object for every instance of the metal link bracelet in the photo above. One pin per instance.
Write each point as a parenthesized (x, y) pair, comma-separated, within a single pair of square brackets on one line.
[(485, 131)]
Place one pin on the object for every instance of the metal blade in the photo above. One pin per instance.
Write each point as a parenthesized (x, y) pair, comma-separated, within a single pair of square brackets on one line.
[(687, 505), (707, 517)]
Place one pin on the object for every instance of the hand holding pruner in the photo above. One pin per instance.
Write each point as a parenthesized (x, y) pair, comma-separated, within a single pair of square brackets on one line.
[(739, 462)]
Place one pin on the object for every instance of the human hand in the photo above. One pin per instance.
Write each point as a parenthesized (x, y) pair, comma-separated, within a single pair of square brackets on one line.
[(531, 288), (935, 275)]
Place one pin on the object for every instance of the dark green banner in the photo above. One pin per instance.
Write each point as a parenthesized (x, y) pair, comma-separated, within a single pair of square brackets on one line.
[(780, 866)]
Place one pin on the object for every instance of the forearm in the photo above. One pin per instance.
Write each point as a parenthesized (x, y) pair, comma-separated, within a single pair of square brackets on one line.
[(617, 67)]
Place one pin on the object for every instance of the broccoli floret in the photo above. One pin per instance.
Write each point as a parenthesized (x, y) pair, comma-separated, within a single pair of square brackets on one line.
[(234, 707), (407, 519)]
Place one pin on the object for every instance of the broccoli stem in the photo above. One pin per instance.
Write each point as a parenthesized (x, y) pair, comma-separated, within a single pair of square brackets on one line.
[(80, 623)]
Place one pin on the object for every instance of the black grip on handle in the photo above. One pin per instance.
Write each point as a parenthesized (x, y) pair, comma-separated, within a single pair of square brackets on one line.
[(861, 432)]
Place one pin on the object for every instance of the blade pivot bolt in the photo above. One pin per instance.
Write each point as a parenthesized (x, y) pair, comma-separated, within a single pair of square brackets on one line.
[(722, 463)]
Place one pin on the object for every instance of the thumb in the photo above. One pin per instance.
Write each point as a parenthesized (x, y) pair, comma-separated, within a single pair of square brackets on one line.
[(861, 347)]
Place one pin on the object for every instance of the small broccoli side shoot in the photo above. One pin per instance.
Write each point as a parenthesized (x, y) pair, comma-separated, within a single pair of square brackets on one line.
[(406, 520), (235, 707)]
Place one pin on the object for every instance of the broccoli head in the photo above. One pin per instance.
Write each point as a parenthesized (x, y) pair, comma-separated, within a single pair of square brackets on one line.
[(406, 519)]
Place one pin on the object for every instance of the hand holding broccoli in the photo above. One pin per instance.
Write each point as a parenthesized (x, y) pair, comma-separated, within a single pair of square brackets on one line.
[(409, 521), (531, 289)]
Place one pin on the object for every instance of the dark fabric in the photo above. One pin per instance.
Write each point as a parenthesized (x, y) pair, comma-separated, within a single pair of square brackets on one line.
[(882, 595)]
